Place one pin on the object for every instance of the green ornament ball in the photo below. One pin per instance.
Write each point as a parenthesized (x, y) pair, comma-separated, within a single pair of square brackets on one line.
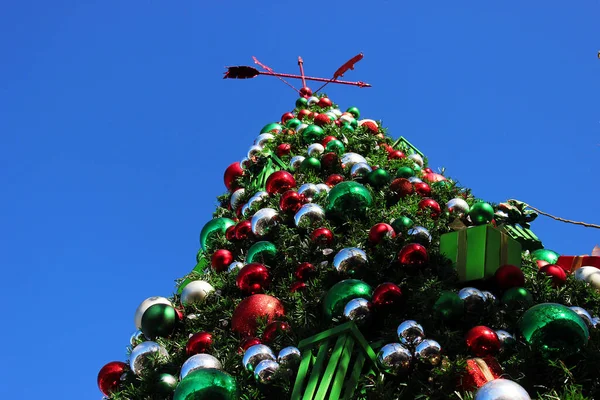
[(310, 164), (517, 298), (449, 306), (335, 146), (405, 172), (216, 226), (312, 134), (348, 197), (293, 123), (301, 102), (354, 111), (553, 329), (166, 383), (402, 224), (341, 293), (378, 177), (159, 320), (551, 257), (207, 383), (354, 124), (272, 127), (481, 213), (261, 252), (347, 128)]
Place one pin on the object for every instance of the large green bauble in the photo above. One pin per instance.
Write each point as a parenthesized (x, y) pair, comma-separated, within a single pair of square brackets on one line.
[(216, 226), (449, 306), (347, 128), (272, 127), (354, 111), (551, 257), (402, 224), (348, 197), (517, 298), (313, 134), (310, 163), (208, 383), (293, 123), (159, 320), (336, 146), (481, 213), (341, 293), (553, 329), (378, 177), (301, 102), (261, 252), (405, 172)]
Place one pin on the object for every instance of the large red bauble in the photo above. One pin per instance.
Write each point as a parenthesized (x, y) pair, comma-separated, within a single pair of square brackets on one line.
[(396, 155), (286, 117), (422, 189), (559, 277), (221, 259), (248, 311), (273, 330), (482, 341), (306, 92), (379, 231), (413, 254), (322, 236), (304, 113), (305, 271), (230, 233), (283, 149), (232, 172), (279, 182), (243, 230), (294, 287), (198, 343), (253, 278), (322, 120), (291, 201), (109, 377), (387, 295), (329, 160), (327, 139), (509, 276), (324, 102), (371, 126), (401, 187), (432, 206), (248, 342), (334, 179), (434, 177)]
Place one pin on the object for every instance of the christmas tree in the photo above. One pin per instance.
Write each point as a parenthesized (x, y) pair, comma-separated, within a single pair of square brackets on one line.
[(339, 265)]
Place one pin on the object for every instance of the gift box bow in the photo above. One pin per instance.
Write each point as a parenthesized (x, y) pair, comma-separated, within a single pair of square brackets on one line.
[(515, 212)]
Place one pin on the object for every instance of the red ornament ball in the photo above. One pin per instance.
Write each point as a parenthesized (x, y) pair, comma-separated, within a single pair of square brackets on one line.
[(387, 295), (243, 230), (306, 92), (322, 120), (482, 341), (286, 117), (422, 189), (509, 276), (109, 377), (371, 126), (327, 139), (296, 286), (221, 259), (245, 317), (291, 201), (198, 343), (379, 231), (434, 177), (273, 330), (401, 187), (322, 236), (334, 179), (230, 233), (248, 342), (283, 149), (324, 102), (396, 155), (432, 206), (253, 278), (304, 113), (305, 271), (279, 182), (232, 172), (329, 160), (413, 254), (559, 277)]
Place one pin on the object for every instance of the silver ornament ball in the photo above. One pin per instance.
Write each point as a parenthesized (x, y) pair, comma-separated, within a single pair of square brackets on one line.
[(235, 266), (501, 389), (350, 260), (265, 371), (348, 160), (262, 220), (146, 304), (263, 138), (301, 127), (254, 151), (235, 198), (295, 162), (429, 352), (255, 354), (393, 358), (199, 361), (196, 291), (289, 357), (420, 234), (138, 359), (358, 310), (315, 150), (360, 170), (417, 159), (313, 100), (596, 322), (308, 190), (414, 179), (308, 215), (323, 188), (136, 338), (337, 112), (474, 300), (506, 339), (410, 333), (489, 297), (457, 206), (584, 314)]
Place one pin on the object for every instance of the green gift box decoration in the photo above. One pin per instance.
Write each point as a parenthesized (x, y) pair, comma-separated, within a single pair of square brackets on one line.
[(477, 252), (200, 268), (407, 147), (528, 239)]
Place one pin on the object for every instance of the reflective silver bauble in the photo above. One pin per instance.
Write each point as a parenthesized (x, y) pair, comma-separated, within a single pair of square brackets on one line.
[(420, 234), (429, 352), (313, 100), (289, 357), (457, 206), (136, 338), (414, 179), (195, 292), (501, 389), (146, 304), (331, 115), (596, 322), (246, 209), (199, 361), (417, 159), (265, 371), (308, 215), (140, 354), (489, 297), (245, 163), (337, 112), (315, 150), (296, 161), (360, 170), (474, 300), (255, 354), (358, 310), (301, 127), (262, 220), (394, 358), (410, 333), (308, 190), (255, 151), (235, 266), (323, 188), (263, 138), (347, 118), (584, 314), (506, 339), (350, 159), (350, 260), (235, 198)]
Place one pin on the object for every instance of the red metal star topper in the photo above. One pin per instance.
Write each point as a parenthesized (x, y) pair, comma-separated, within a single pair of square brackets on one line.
[(245, 72)]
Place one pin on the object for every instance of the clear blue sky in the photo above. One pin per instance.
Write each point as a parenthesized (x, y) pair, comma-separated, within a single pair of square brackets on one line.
[(116, 127)]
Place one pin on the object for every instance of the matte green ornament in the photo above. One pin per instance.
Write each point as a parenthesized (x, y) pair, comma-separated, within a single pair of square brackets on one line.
[(207, 383), (272, 127), (348, 197), (551, 257), (517, 298), (402, 224), (341, 293), (553, 329), (166, 383), (312, 134), (405, 172), (347, 128), (354, 111), (216, 226), (261, 252), (293, 123), (301, 102), (310, 163), (159, 321), (449, 306), (336, 146), (378, 177), (481, 213)]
